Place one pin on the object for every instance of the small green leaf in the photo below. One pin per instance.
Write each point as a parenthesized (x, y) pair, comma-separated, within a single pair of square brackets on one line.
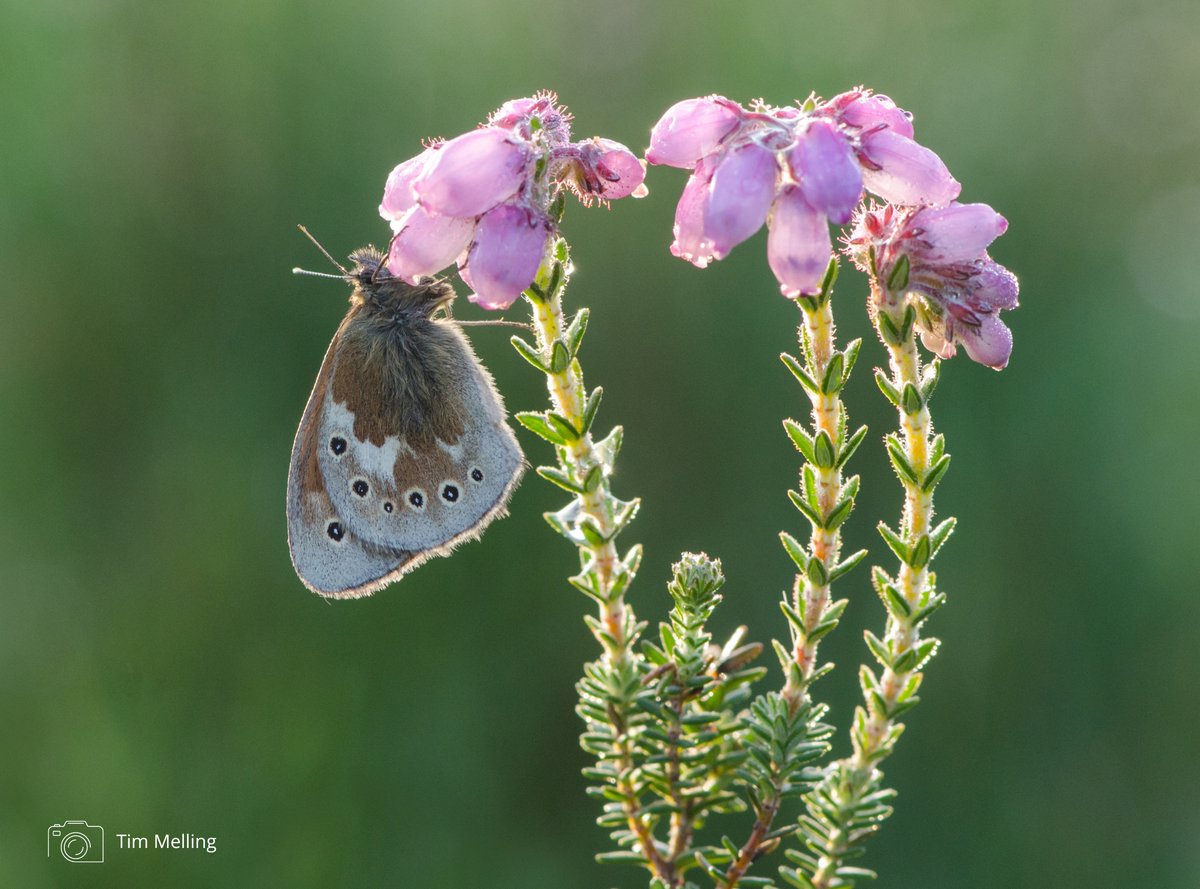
[(625, 514), (851, 353), (900, 461), (911, 400), (590, 407), (878, 648), (795, 550), (830, 276), (847, 565), (936, 601), (558, 477), (561, 521), (801, 439), (809, 485), (795, 619), (562, 425), (897, 281), (817, 574), (823, 454), (851, 446), (895, 603), (867, 680), (556, 274), (608, 448), (559, 357), (918, 556), (535, 294), (892, 539), (576, 329), (935, 473), (839, 513), (831, 383), (937, 447), (809, 513), (929, 379), (888, 329), (785, 656), (594, 477), (885, 385), (591, 533), (800, 374), (529, 353), (940, 534), (539, 425)]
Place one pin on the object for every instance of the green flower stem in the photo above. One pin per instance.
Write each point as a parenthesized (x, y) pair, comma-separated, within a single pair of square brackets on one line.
[(567, 397), (811, 601), (850, 803), (900, 679), (826, 501), (592, 522)]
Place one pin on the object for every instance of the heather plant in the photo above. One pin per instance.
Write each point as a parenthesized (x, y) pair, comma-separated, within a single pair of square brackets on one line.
[(707, 763)]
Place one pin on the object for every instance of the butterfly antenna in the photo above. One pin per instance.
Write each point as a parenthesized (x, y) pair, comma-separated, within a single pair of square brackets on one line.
[(299, 271), (337, 265)]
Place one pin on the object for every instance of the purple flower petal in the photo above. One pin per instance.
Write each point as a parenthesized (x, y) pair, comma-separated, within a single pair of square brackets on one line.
[(426, 244), (509, 246), (873, 112), (909, 173), (690, 242), (619, 170), (958, 233), (398, 196), (472, 173), (995, 287), (935, 341), (990, 343), (824, 164), (513, 112), (689, 130), (742, 190), (798, 244)]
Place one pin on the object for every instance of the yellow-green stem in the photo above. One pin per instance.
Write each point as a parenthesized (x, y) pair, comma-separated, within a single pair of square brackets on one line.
[(812, 599), (567, 395)]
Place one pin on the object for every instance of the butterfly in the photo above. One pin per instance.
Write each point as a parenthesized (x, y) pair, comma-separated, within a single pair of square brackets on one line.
[(403, 451)]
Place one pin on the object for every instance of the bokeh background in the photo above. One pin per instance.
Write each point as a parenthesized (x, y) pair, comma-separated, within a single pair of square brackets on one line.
[(161, 668)]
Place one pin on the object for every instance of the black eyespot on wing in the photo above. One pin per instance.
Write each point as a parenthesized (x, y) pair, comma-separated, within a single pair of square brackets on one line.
[(337, 445), (387, 506), (417, 499), (360, 487), (335, 531), (477, 474), (449, 493)]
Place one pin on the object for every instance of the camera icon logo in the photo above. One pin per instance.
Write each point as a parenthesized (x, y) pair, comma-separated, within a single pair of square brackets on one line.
[(76, 841)]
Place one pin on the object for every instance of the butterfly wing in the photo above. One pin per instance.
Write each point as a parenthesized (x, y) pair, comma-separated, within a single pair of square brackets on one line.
[(425, 467), (329, 557)]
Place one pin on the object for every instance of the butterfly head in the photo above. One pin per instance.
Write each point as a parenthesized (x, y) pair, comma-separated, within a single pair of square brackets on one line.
[(379, 290)]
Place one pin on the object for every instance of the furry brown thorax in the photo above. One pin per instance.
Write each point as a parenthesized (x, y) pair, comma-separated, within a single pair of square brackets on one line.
[(381, 293)]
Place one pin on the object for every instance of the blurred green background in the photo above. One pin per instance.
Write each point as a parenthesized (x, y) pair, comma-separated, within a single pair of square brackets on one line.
[(161, 668)]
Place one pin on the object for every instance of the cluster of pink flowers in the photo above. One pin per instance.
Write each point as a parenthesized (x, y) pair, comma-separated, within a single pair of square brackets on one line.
[(482, 199), (962, 289), (794, 168)]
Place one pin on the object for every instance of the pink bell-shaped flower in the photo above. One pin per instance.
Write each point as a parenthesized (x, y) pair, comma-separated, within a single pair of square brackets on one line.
[(504, 258), (472, 173)]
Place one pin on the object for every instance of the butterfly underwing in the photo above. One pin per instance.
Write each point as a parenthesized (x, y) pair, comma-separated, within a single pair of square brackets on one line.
[(403, 450)]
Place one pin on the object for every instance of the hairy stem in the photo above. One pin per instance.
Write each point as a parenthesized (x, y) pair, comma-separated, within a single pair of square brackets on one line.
[(850, 803), (592, 522)]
